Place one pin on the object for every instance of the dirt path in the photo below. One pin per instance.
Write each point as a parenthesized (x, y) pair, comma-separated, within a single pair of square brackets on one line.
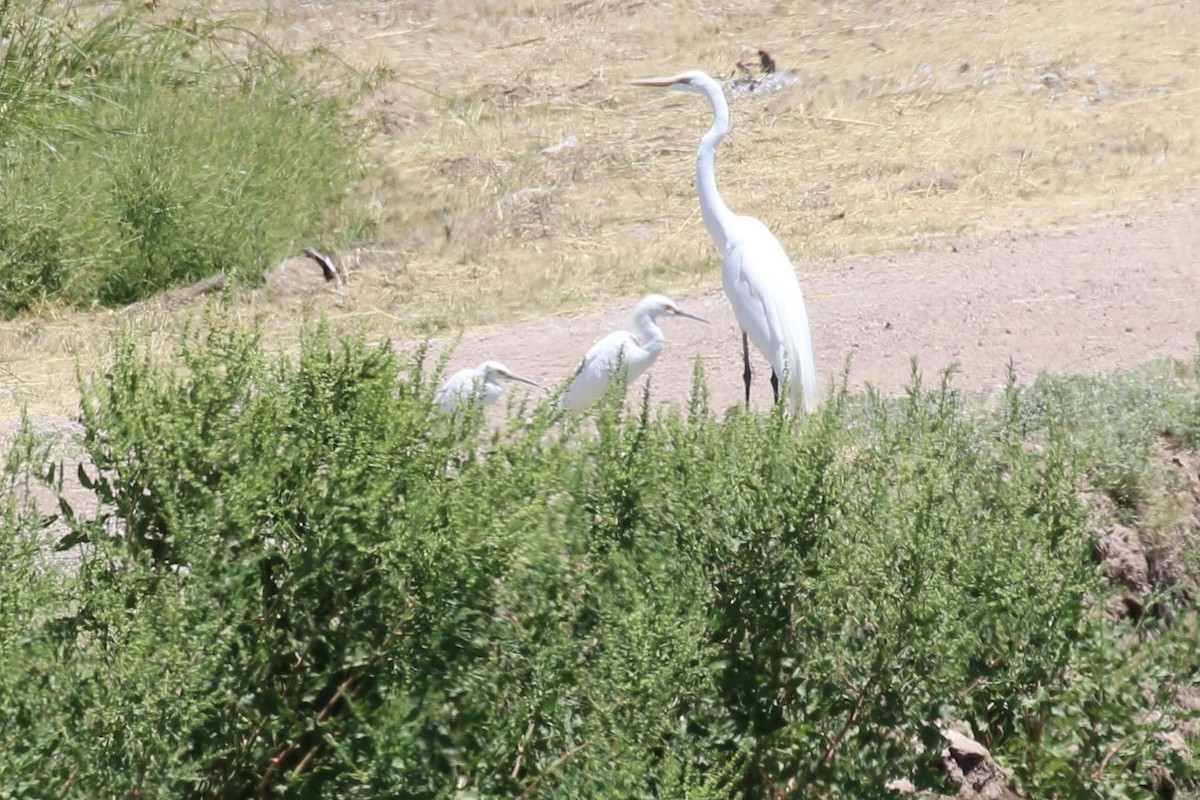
[(1091, 298)]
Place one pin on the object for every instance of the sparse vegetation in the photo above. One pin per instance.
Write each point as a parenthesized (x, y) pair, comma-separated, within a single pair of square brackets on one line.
[(140, 152), (1034, 116), (305, 582), (302, 581)]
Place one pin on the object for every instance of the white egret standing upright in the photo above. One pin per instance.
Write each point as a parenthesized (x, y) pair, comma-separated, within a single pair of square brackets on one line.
[(634, 350), (757, 275), (480, 386)]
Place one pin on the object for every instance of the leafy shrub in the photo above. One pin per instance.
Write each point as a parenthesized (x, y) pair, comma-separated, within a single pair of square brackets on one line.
[(307, 582), (1119, 425), (139, 153)]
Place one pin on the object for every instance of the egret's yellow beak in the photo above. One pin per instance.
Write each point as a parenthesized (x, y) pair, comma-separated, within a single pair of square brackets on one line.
[(655, 81)]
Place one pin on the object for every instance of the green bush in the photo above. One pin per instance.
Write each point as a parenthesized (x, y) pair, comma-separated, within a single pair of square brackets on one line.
[(1142, 413), (139, 153), (307, 582)]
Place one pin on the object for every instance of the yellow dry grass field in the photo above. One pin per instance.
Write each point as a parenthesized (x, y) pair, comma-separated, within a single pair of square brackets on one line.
[(518, 176)]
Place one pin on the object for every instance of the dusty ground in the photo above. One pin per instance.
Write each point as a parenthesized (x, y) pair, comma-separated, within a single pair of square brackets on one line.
[(515, 176), (1092, 297)]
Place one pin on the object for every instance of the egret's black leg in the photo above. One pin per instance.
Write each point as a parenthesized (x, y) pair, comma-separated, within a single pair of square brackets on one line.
[(746, 360), (775, 385)]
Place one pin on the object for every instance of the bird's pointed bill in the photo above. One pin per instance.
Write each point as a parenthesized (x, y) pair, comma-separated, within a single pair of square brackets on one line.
[(681, 313), (515, 377), (654, 81)]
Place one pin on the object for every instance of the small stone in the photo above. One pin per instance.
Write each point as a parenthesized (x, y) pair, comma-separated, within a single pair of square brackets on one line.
[(566, 144)]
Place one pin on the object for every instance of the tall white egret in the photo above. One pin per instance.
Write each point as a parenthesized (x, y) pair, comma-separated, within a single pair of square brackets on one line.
[(634, 350), (479, 386), (757, 275)]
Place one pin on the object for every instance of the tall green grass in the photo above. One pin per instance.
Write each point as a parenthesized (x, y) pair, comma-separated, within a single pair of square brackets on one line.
[(140, 152), (307, 582)]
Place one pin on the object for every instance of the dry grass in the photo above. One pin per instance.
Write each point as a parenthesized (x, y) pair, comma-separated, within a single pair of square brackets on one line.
[(913, 120)]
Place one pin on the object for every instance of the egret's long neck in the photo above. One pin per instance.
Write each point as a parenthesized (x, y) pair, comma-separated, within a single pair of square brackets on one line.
[(717, 215), (647, 331)]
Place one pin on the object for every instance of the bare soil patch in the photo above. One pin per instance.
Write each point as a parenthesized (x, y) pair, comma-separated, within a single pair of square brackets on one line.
[(1092, 298), (516, 176)]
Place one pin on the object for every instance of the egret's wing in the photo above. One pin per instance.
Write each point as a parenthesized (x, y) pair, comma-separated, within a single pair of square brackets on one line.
[(767, 301), (457, 390), (599, 363), (746, 297)]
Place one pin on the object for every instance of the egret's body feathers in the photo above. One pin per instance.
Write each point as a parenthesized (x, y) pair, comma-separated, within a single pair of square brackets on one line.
[(479, 386), (633, 351), (769, 306), (757, 275)]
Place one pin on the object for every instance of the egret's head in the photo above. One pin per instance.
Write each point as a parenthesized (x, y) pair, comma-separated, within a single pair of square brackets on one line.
[(494, 369), (653, 305), (693, 80), (490, 368)]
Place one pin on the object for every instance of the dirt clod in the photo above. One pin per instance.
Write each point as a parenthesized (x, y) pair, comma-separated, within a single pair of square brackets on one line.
[(1124, 558), (932, 182), (969, 766)]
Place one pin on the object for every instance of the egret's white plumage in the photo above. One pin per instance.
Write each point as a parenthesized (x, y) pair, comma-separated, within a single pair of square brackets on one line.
[(757, 274), (634, 350), (480, 386)]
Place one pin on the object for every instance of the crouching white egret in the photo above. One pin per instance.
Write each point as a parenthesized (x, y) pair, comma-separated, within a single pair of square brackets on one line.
[(633, 351), (479, 386), (757, 275)]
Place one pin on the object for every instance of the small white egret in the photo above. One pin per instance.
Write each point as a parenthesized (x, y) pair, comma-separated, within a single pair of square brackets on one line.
[(479, 386), (757, 275), (634, 350)]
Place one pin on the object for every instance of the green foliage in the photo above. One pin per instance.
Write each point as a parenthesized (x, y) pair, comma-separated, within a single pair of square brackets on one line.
[(1142, 413), (139, 153), (305, 581)]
